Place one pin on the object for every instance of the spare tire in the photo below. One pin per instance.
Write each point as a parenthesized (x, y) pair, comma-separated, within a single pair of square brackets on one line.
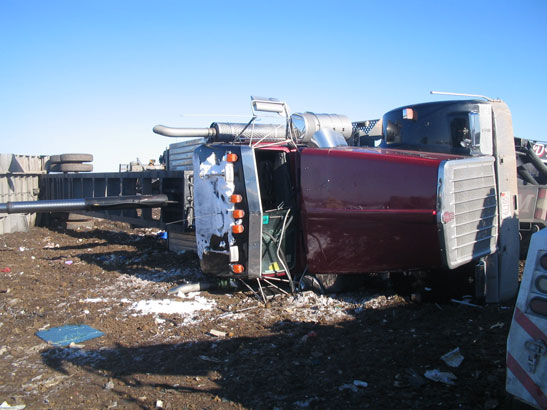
[(71, 167), (69, 158)]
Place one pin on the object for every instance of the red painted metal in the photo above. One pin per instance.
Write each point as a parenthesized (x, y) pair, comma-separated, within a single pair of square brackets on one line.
[(369, 210)]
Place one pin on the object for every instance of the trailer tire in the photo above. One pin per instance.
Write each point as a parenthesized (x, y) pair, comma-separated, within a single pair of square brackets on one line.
[(70, 158), (71, 167)]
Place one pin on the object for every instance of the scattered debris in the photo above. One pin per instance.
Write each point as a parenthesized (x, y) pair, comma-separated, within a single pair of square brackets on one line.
[(5, 270), (442, 377), (159, 404), (69, 262), (360, 383), (499, 324), (22, 249), (305, 403), (51, 245), (348, 386), (73, 345), (5, 405), (453, 358), (186, 308), (210, 359), (109, 385), (217, 333), (190, 287), (414, 379), (465, 302), (65, 335)]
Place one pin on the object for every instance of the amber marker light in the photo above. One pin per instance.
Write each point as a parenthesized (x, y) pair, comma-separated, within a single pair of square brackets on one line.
[(236, 198), (237, 228), (238, 213), (231, 157), (237, 268)]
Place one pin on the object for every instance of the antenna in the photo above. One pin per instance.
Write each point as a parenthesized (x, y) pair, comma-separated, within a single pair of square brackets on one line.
[(463, 95)]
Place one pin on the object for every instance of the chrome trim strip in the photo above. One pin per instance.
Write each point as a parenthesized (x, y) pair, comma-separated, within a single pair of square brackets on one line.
[(250, 174)]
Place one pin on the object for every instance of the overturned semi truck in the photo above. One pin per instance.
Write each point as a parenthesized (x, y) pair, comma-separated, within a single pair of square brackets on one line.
[(307, 196)]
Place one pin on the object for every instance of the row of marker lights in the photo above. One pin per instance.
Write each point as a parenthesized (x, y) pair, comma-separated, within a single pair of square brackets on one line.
[(237, 214)]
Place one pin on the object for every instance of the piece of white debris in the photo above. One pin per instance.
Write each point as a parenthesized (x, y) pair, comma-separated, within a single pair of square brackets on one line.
[(5, 405), (360, 383), (348, 387), (499, 324), (159, 404), (209, 359), (442, 377), (217, 333), (453, 358), (73, 345), (109, 385)]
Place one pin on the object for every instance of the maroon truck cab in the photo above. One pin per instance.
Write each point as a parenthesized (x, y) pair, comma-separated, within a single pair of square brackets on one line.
[(370, 210), (340, 210)]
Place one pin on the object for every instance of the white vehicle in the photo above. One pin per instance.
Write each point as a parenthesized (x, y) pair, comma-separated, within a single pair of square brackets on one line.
[(527, 341)]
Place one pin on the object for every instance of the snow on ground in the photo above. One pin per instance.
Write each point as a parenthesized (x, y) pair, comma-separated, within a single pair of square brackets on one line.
[(186, 308)]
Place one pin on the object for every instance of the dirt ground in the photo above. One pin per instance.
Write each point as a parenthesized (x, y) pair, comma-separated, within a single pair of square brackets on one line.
[(368, 349)]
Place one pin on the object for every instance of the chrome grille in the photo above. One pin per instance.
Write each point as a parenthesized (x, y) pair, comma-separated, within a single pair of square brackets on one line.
[(468, 213)]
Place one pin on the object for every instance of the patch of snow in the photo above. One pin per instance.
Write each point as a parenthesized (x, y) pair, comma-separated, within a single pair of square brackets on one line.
[(185, 308), (94, 300)]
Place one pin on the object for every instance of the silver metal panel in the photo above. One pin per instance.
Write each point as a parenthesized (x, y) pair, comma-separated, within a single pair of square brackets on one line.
[(27, 164), (19, 182), (181, 241), (255, 212), (467, 210), (485, 115), (506, 277), (180, 154)]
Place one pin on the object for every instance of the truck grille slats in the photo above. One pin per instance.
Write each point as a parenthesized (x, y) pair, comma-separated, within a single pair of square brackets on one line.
[(468, 201)]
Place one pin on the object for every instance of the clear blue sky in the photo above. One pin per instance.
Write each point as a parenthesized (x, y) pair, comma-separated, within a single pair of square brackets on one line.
[(96, 76)]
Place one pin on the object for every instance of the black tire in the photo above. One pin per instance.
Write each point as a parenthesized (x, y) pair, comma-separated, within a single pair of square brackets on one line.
[(72, 167), (70, 158), (54, 159)]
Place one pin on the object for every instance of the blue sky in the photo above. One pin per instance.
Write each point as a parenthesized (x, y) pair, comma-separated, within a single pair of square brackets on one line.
[(96, 76)]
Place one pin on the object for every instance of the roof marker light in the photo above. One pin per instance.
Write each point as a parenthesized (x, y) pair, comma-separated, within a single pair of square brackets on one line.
[(231, 157), (409, 114)]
